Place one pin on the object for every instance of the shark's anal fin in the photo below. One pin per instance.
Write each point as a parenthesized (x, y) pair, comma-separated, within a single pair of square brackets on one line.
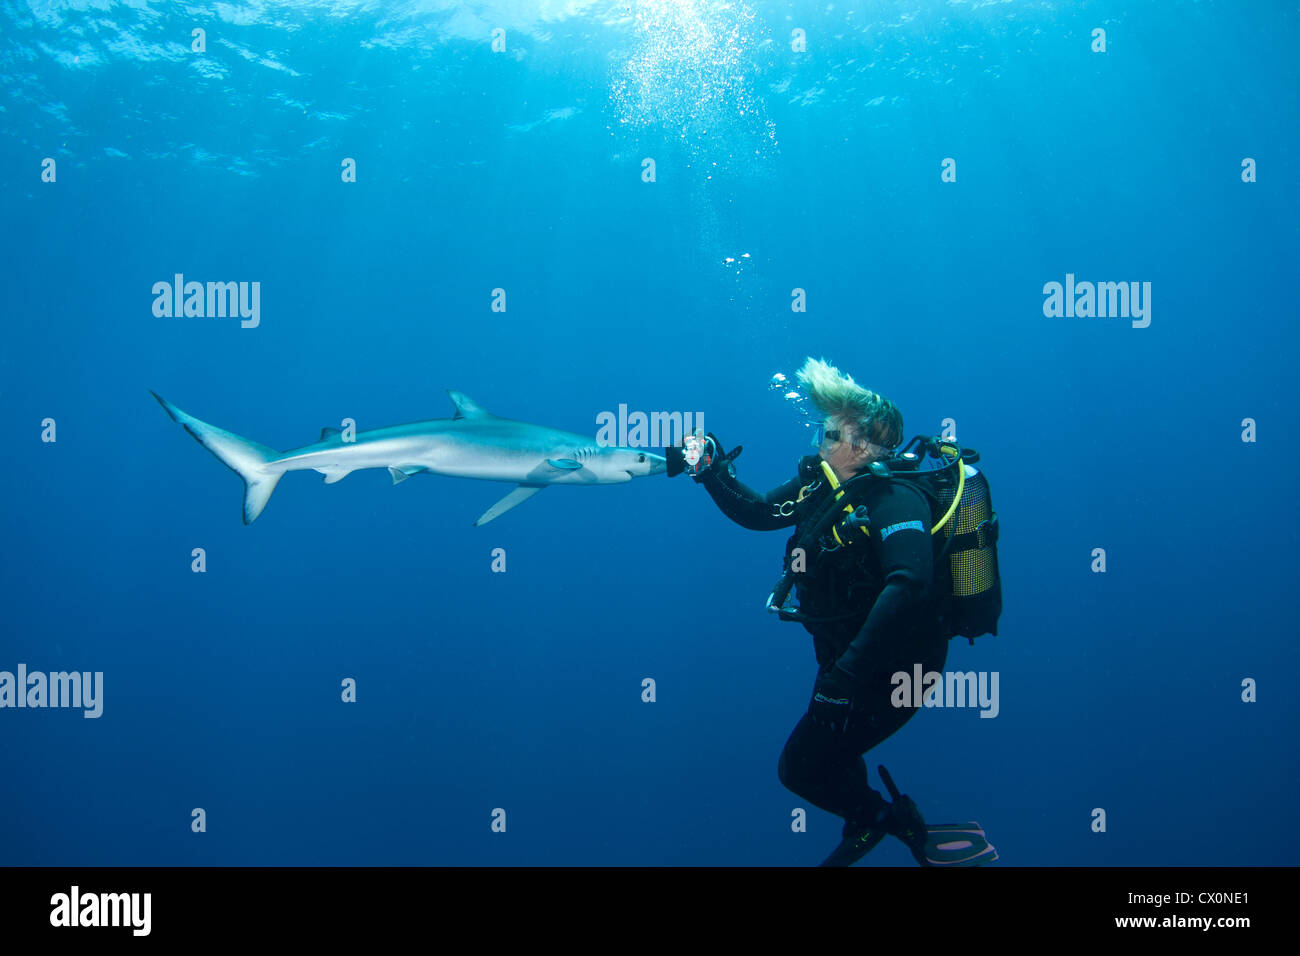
[(521, 494), (564, 464), (327, 433), (406, 471)]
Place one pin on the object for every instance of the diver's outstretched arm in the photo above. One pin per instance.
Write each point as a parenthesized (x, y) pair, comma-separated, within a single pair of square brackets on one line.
[(747, 507)]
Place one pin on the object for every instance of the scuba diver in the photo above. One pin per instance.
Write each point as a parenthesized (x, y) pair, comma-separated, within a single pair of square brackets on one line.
[(870, 563)]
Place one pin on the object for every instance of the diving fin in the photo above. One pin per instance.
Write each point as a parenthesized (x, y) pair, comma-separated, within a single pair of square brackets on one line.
[(956, 844), (936, 844)]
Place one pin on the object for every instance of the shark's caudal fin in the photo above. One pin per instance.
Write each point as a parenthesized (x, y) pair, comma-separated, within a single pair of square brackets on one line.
[(246, 458)]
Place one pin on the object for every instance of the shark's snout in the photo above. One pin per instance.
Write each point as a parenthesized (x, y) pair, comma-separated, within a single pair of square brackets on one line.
[(637, 463)]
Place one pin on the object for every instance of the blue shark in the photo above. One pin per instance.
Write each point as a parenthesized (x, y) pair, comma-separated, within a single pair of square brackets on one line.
[(473, 443)]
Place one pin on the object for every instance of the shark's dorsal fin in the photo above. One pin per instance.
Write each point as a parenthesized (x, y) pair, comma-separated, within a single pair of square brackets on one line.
[(466, 407), (327, 433)]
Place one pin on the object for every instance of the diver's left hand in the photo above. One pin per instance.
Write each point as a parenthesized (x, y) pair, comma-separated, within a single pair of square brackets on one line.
[(832, 702)]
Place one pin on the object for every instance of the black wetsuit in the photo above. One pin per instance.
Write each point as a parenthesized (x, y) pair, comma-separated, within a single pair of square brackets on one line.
[(895, 606)]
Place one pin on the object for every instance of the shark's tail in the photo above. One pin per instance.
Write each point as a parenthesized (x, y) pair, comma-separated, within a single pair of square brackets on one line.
[(246, 458)]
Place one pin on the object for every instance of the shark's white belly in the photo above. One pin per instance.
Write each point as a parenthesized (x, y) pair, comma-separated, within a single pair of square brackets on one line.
[(454, 455)]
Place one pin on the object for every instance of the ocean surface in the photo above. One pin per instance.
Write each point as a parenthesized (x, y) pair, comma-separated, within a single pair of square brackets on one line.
[(559, 209)]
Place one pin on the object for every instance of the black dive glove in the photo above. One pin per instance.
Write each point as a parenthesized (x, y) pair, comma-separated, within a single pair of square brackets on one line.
[(833, 700)]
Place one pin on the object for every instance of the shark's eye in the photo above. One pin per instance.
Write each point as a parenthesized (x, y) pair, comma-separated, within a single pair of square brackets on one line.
[(640, 457)]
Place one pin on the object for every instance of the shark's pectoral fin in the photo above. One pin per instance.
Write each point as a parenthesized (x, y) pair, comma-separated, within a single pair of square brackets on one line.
[(563, 470), (327, 433), (518, 496), (334, 473), (406, 471)]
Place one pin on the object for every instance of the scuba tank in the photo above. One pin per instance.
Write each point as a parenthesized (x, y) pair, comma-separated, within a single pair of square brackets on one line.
[(964, 516)]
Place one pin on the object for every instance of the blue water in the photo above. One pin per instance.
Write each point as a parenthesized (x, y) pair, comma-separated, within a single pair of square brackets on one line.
[(522, 170)]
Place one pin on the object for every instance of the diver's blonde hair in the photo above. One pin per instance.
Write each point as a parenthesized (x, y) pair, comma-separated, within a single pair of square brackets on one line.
[(837, 395)]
